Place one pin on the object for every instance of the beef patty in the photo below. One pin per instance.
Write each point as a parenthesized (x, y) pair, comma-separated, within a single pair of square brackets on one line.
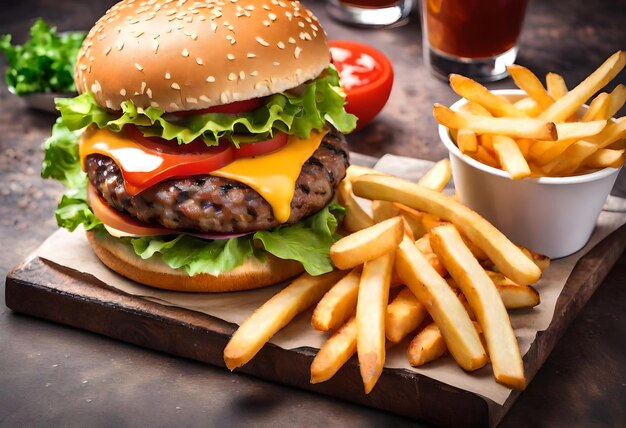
[(215, 204)]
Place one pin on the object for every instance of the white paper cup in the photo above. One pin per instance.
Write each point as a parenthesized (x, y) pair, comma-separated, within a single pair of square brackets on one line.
[(554, 216)]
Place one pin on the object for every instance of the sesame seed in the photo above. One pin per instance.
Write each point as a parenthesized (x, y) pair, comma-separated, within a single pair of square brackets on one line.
[(175, 86), (199, 61), (301, 24), (119, 45), (191, 100), (266, 23), (149, 93), (276, 63), (139, 34), (272, 16), (296, 52), (242, 75), (185, 52), (280, 45), (174, 106), (251, 55), (155, 45), (266, 7), (139, 67), (107, 50), (213, 26), (224, 97), (261, 41), (254, 73), (230, 57), (168, 76), (205, 99), (210, 79), (143, 87), (123, 92), (154, 104), (194, 36), (232, 76)]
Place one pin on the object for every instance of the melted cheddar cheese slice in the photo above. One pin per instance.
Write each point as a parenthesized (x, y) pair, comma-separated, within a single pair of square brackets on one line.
[(272, 175)]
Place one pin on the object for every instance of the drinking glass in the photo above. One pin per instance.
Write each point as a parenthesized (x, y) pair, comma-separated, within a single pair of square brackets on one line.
[(475, 38), (370, 13)]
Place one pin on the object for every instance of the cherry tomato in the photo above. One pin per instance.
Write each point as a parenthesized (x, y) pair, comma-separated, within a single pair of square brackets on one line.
[(366, 76), (232, 108)]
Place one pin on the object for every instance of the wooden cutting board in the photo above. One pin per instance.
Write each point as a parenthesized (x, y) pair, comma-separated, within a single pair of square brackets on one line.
[(55, 293)]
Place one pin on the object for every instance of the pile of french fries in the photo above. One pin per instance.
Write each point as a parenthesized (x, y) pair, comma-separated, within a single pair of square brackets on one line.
[(451, 274), (542, 134)]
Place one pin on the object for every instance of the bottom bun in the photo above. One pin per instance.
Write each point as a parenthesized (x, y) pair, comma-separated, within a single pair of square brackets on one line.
[(253, 273)]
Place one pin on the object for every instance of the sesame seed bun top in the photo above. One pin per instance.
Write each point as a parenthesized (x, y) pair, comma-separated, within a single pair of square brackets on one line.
[(188, 55)]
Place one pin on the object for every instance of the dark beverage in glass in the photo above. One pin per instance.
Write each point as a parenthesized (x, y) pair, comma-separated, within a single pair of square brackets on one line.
[(477, 38)]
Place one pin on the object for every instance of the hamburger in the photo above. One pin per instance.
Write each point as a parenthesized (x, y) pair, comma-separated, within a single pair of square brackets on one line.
[(205, 146)]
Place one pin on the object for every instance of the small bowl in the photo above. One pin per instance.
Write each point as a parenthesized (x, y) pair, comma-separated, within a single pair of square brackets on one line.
[(554, 216)]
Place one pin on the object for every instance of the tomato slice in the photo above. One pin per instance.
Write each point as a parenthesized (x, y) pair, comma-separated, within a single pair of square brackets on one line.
[(232, 108), (366, 76), (119, 221), (262, 147), (195, 158)]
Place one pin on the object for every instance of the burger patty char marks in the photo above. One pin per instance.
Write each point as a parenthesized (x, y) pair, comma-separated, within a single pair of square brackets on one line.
[(222, 205)]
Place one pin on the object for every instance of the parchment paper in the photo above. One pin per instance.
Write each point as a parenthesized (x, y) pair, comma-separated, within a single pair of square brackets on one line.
[(73, 251)]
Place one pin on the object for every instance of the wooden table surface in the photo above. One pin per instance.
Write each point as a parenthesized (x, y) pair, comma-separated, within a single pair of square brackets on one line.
[(53, 375)]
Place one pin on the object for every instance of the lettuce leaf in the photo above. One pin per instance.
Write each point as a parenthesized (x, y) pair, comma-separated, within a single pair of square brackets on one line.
[(307, 241), (322, 100), (45, 63)]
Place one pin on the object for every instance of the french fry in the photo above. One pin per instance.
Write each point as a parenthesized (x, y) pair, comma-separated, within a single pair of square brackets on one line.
[(598, 107), (334, 353), (438, 176), (355, 171), (274, 314), (356, 218), (567, 105), (511, 157), (572, 158), (542, 262), (528, 106), (423, 244), (512, 127), (413, 218), (509, 259), (514, 296), (529, 83), (338, 303), (367, 244), (370, 317), (404, 314), (611, 133), (579, 130), (475, 108), (467, 141), (555, 84), (383, 210), (605, 158), (475, 92), (618, 98), (544, 152), (443, 306), (524, 145), (427, 346), (429, 221), (483, 155), (486, 141), (486, 303)]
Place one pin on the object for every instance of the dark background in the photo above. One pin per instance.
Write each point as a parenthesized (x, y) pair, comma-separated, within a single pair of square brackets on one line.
[(52, 375)]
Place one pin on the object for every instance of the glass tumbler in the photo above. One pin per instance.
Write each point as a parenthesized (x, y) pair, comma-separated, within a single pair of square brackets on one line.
[(370, 13), (475, 38)]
